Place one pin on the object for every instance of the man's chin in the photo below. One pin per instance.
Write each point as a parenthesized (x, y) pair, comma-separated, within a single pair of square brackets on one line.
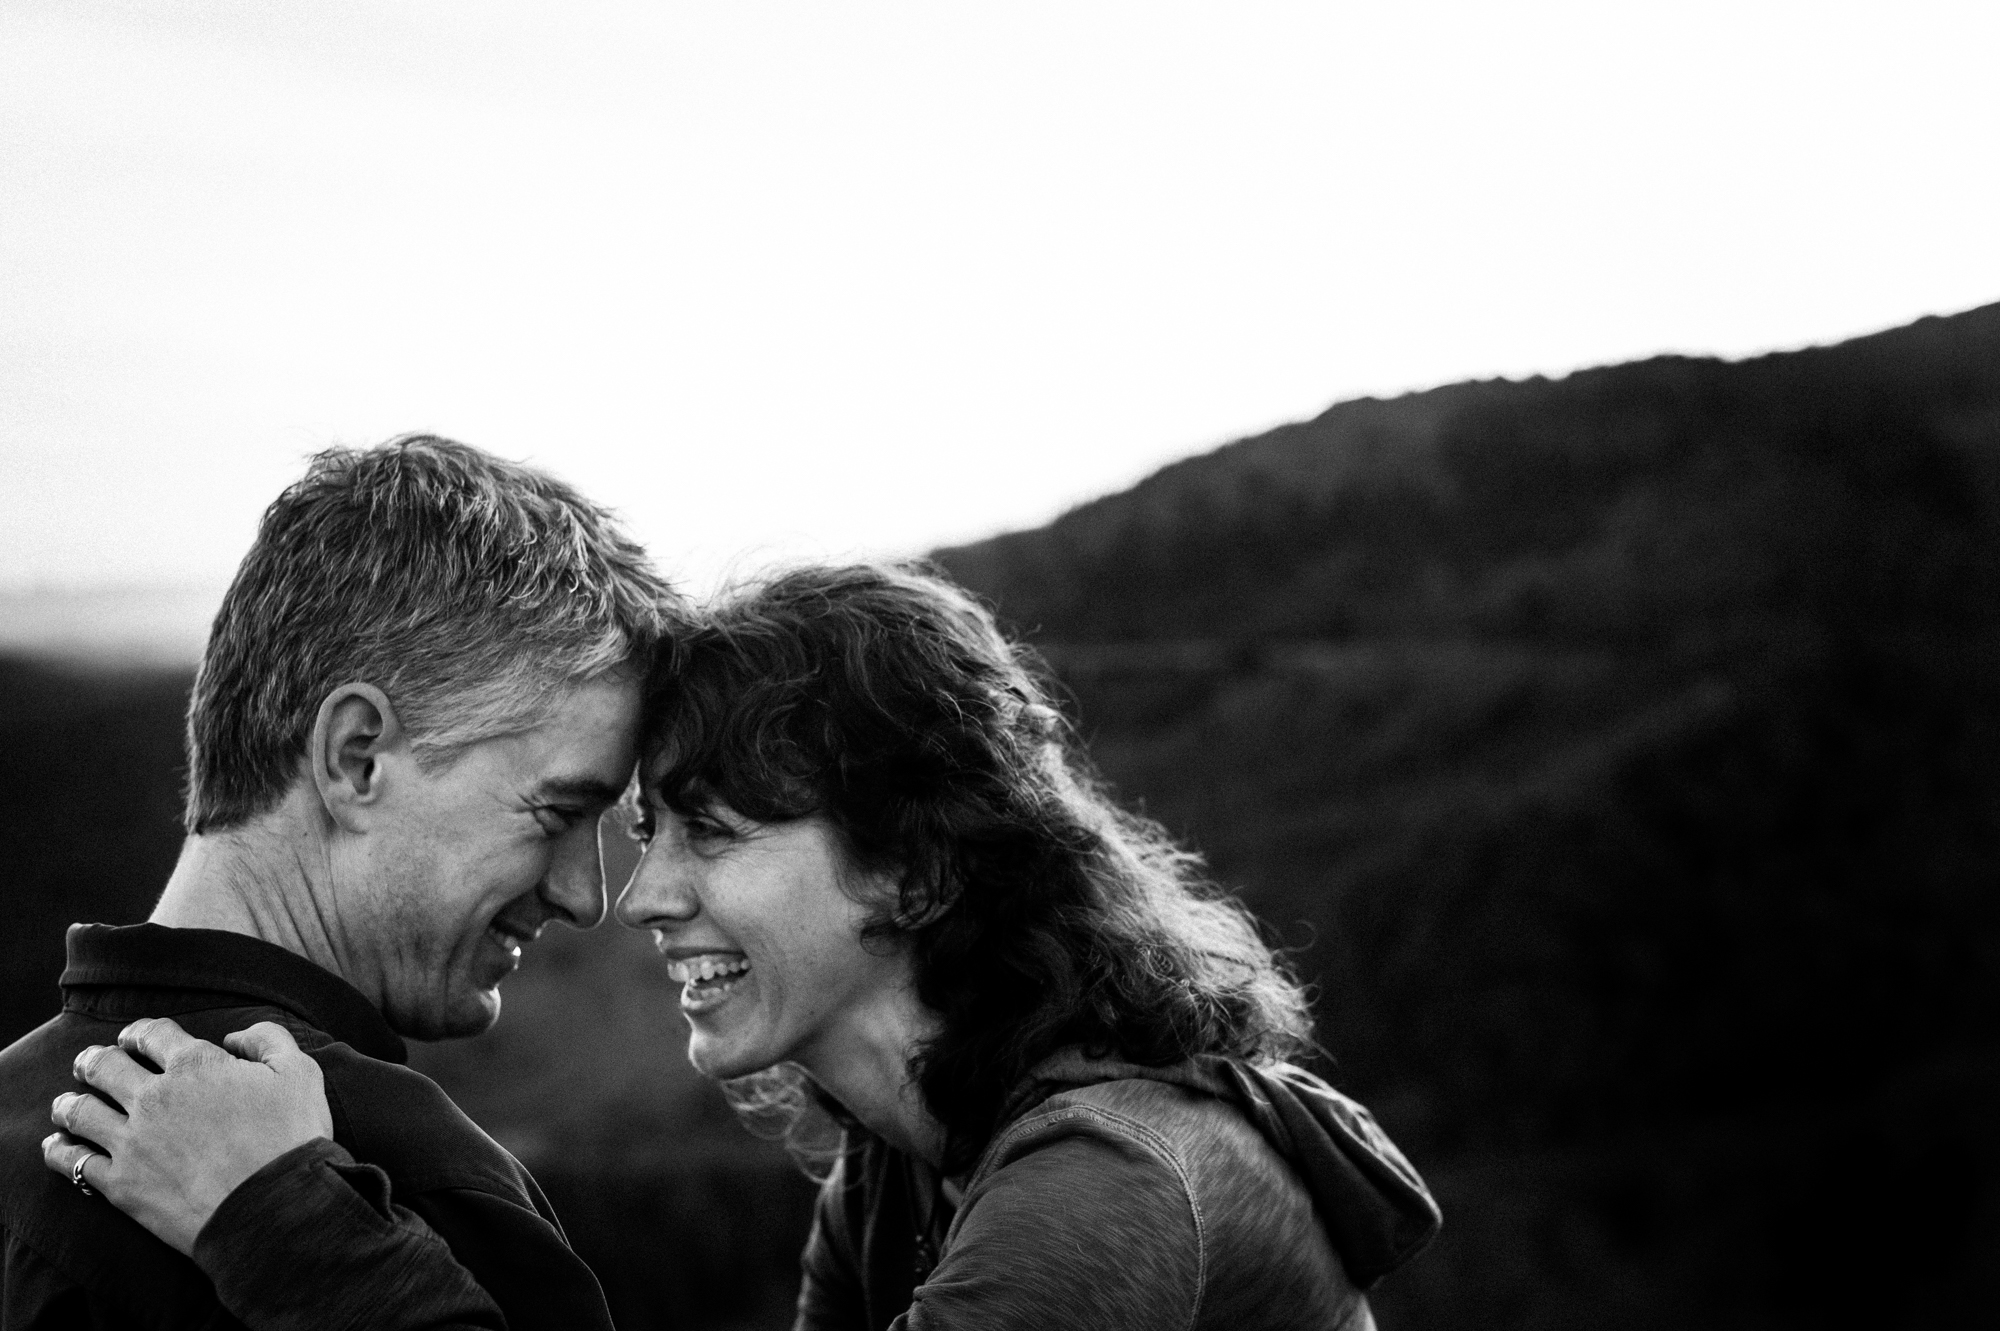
[(462, 1019)]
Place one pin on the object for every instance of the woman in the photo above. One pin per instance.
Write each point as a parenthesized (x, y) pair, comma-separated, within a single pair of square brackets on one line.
[(898, 903)]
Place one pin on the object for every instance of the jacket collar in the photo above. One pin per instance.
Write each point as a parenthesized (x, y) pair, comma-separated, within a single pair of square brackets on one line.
[(210, 961), (1375, 1205)]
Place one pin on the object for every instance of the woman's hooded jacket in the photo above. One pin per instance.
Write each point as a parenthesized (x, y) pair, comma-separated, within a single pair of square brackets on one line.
[(1207, 1194)]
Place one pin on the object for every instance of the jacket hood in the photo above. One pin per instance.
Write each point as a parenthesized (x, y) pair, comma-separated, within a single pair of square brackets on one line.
[(1376, 1208)]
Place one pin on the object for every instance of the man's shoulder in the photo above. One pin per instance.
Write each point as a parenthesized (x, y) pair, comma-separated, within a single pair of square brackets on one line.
[(34, 1052), (384, 1113), (34, 1070), (56, 1239), (396, 1118)]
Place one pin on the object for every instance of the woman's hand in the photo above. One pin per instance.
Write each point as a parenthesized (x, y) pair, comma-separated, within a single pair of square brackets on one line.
[(188, 1134)]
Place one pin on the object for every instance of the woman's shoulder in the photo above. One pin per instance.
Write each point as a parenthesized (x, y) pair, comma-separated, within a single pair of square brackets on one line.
[(1161, 1118), (1168, 1107), (1113, 1124), (1159, 1167)]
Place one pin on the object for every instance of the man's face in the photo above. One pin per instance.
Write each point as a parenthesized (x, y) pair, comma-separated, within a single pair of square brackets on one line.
[(462, 866)]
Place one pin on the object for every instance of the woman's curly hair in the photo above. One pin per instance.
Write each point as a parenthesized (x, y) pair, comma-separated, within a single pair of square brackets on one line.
[(1037, 914)]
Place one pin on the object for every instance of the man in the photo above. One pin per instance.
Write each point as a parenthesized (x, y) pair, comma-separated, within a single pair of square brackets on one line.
[(420, 692)]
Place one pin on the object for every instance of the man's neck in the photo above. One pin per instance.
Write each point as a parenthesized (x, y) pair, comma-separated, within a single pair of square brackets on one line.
[(263, 879)]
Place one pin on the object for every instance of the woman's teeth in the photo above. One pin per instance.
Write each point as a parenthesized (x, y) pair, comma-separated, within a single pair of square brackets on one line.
[(714, 970)]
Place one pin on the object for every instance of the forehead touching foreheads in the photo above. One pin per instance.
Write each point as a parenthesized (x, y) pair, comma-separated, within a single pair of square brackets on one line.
[(470, 590)]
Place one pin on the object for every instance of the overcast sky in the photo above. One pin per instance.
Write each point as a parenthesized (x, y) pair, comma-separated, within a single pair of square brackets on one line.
[(840, 275)]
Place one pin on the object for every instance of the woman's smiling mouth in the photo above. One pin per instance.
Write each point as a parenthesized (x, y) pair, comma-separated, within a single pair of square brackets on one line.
[(706, 978)]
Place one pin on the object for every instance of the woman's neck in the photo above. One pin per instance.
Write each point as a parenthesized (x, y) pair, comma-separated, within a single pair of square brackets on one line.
[(865, 1066)]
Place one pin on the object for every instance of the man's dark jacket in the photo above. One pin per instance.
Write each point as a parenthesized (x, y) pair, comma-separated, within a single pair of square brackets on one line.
[(76, 1261)]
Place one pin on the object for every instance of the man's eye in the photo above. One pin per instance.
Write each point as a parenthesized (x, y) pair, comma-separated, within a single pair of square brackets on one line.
[(640, 826), (556, 820)]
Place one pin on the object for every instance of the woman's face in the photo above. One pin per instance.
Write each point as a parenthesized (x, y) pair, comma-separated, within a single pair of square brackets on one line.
[(753, 919)]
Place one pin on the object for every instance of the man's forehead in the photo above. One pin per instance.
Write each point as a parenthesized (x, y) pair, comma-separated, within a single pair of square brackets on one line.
[(580, 750), (585, 731)]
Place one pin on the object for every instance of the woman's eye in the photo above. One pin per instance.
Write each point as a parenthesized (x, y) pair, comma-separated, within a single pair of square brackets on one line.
[(708, 829)]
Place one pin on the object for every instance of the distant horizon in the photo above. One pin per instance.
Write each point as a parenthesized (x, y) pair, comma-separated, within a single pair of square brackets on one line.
[(723, 565), (164, 622), (140, 626)]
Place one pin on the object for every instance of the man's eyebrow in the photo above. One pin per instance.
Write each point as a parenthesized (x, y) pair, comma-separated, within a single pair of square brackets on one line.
[(586, 789)]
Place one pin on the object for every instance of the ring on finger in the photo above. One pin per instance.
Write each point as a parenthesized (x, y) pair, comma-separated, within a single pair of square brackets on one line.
[(76, 1172)]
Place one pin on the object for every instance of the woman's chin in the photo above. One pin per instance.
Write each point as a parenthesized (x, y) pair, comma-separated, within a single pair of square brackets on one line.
[(721, 1059)]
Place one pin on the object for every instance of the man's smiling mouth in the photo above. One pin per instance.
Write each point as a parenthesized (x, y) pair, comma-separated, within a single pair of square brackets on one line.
[(510, 939)]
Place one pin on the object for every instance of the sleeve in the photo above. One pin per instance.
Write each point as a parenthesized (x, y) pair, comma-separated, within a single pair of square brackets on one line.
[(312, 1242), (1084, 1222), (518, 1257), (830, 1281)]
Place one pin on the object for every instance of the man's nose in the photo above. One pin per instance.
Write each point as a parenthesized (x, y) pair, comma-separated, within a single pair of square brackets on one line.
[(575, 882), (662, 890)]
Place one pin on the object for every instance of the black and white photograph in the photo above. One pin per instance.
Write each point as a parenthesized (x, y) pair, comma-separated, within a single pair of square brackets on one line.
[(868, 665)]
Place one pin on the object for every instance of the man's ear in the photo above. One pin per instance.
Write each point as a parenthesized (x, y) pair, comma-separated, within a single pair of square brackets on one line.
[(356, 726)]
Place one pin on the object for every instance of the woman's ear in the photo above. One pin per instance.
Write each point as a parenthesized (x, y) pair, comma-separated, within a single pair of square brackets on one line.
[(356, 725)]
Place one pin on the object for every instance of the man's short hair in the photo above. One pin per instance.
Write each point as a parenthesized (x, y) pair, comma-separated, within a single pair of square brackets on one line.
[(466, 588)]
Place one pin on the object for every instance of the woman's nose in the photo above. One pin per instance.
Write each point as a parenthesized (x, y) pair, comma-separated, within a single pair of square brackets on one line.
[(662, 889)]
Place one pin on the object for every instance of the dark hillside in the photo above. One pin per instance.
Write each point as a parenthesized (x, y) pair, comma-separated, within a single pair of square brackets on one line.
[(90, 804), (1629, 747), (1381, 517)]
